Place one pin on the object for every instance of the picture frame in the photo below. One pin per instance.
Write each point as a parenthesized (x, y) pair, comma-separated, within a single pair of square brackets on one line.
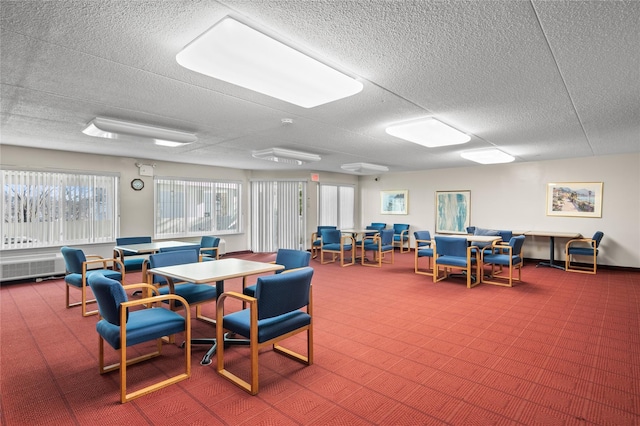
[(574, 199), (394, 202), (453, 212)]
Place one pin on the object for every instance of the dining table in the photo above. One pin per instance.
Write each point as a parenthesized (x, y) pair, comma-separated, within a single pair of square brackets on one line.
[(552, 235), (217, 271)]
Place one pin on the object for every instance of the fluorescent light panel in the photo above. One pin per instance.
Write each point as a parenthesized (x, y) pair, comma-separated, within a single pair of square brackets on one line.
[(487, 156), (428, 132), (236, 53), (286, 156), (116, 129), (364, 168)]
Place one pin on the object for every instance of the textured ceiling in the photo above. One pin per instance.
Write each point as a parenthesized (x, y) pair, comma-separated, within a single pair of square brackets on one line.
[(537, 79)]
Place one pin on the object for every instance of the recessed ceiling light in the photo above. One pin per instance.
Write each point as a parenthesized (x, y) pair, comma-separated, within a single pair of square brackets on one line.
[(428, 132), (117, 129), (236, 53), (487, 156), (364, 168), (286, 156)]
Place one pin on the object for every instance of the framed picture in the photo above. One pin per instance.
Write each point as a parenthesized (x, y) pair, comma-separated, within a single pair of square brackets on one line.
[(453, 212), (394, 202), (580, 199)]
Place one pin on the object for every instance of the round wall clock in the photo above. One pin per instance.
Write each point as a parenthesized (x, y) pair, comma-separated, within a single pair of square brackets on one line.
[(137, 184)]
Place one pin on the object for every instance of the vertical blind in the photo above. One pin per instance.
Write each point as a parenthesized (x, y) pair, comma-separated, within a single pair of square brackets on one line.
[(337, 206), (43, 209), (277, 215), (196, 207)]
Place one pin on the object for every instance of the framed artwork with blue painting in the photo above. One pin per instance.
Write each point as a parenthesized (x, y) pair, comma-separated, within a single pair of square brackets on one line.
[(453, 212)]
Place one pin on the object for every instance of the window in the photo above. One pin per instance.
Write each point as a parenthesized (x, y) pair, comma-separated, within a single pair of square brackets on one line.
[(196, 207), (44, 209), (277, 215), (337, 206)]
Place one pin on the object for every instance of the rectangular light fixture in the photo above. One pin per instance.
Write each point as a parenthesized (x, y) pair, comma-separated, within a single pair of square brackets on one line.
[(487, 156), (116, 129), (236, 53), (428, 132), (286, 156), (364, 168)]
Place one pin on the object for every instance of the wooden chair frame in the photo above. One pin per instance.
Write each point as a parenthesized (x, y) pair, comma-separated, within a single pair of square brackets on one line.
[(147, 301), (417, 270), (91, 259), (448, 268), (254, 347), (571, 266), (340, 252), (378, 255), (496, 269)]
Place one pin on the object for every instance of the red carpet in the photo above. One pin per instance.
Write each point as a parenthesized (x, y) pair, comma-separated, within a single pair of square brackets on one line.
[(391, 348)]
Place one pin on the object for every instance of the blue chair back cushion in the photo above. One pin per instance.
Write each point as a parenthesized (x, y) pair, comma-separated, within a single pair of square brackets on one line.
[(209, 241), (452, 251), (292, 259), (125, 241), (330, 236), (598, 237), (386, 241), (422, 235), (109, 295), (319, 233), (378, 225), (73, 259), (280, 298)]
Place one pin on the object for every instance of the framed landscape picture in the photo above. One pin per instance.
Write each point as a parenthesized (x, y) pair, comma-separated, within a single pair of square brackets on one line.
[(394, 202), (580, 199), (453, 211)]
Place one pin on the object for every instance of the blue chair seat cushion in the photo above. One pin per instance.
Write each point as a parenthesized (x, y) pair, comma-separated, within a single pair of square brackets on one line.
[(398, 237), (208, 259), (585, 251), (192, 293), (76, 279), (501, 259), (371, 246), (268, 328), (336, 247), (142, 326), (425, 252), (455, 261)]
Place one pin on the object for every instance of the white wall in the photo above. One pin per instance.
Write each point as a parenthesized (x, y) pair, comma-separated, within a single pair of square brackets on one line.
[(510, 196), (513, 196)]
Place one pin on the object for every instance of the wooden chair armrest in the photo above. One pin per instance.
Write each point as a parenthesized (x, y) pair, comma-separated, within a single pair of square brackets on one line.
[(153, 299)]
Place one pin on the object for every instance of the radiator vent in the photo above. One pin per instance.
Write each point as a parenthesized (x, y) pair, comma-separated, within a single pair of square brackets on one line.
[(31, 266)]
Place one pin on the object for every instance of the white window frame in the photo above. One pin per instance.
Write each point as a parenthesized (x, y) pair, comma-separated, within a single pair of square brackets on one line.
[(57, 208), (336, 205), (196, 207)]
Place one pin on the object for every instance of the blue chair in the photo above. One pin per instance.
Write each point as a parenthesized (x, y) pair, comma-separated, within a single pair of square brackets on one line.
[(401, 236), (78, 271), (577, 247), (274, 314), (194, 294), (132, 261), (380, 244), (209, 249), (338, 244), (290, 259), (316, 240), (503, 256), (378, 225), (423, 249), (456, 253), (122, 328)]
